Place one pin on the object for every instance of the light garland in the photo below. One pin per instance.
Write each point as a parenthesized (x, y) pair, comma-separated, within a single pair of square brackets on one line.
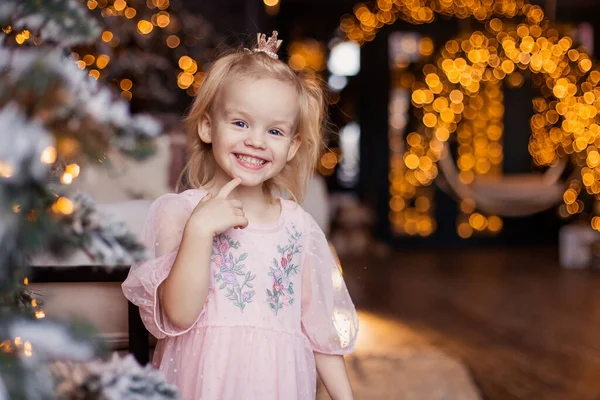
[(565, 113), (363, 25), (461, 95), (411, 206), (189, 78)]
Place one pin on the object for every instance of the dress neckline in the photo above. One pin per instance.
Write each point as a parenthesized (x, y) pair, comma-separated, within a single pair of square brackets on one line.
[(266, 228)]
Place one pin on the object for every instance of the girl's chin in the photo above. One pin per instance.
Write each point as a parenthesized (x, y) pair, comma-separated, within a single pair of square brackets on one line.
[(249, 181)]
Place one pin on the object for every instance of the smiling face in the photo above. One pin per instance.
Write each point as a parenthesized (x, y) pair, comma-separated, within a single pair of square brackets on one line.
[(252, 129)]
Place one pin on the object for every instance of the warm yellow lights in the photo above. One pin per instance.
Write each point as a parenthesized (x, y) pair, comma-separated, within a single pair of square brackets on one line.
[(73, 169), (94, 73), (185, 62), (66, 179), (119, 5), (185, 80), (71, 172), (271, 3), (126, 94), (190, 78), (307, 56), (48, 155), (160, 4), (102, 61), (130, 12), (363, 25), (329, 160), (27, 349), (173, 41), (88, 59), (63, 206), (125, 84), (145, 27), (107, 36), (6, 169), (163, 20), (22, 37)]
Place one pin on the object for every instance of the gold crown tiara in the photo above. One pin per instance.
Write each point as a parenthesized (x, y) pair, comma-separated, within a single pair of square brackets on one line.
[(269, 46)]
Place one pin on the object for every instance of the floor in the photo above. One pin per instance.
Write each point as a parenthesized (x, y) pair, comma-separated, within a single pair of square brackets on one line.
[(524, 328)]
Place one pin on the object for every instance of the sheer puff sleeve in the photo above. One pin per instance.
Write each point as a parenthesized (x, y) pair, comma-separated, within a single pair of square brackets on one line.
[(329, 318), (161, 234)]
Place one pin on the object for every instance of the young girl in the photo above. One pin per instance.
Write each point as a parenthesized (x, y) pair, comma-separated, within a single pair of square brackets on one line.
[(242, 290)]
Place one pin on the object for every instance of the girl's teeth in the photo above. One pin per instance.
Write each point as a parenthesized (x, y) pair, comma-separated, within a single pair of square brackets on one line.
[(251, 160)]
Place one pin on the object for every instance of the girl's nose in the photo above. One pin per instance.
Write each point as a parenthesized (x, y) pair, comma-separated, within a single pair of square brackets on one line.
[(255, 139)]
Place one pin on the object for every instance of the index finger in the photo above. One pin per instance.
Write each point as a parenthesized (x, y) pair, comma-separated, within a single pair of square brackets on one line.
[(228, 188)]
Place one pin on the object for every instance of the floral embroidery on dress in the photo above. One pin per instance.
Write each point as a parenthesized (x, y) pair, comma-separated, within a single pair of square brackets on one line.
[(231, 271), (281, 271)]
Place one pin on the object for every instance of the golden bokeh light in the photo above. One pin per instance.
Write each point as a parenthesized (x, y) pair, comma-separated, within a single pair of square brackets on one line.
[(107, 36), (119, 5), (307, 55), (185, 80), (185, 62), (73, 170), (163, 19), (94, 73), (126, 84), (63, 206), (145, 27), (126, 94), (48, 155), (173, 41), (6, 169), (102, 61), (130, 12), (66, 178)]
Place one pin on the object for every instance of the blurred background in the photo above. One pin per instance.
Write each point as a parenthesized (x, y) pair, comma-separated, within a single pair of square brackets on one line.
[(459, 186)]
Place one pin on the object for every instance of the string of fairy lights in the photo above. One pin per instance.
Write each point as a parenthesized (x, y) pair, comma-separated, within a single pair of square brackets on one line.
[(563, 122), (190, 76), (367, 20), (156, 15), (460, 96)]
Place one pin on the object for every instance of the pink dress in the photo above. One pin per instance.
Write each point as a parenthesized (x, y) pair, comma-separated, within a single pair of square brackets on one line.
[(276, 296)]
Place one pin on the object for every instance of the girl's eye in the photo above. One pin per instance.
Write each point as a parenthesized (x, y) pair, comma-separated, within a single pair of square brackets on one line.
[(241, 124), (275, 132)]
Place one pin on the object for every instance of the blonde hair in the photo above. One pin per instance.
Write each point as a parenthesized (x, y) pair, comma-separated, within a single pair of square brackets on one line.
[(294, 177)]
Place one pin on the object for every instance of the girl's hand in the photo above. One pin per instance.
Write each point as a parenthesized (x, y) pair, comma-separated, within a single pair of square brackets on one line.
[(213, 216)]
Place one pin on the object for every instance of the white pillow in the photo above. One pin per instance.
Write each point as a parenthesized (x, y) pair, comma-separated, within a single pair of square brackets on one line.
[(127, 178)]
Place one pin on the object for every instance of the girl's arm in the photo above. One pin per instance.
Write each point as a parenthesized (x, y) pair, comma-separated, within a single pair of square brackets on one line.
[(183, 293), (332, 371)]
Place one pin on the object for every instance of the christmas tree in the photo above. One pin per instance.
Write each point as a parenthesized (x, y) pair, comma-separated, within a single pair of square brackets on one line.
[(53, 115), (150, 50)]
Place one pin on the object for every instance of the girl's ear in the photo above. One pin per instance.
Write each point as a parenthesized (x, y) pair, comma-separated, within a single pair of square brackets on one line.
[(204, 131), (296, 141)]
